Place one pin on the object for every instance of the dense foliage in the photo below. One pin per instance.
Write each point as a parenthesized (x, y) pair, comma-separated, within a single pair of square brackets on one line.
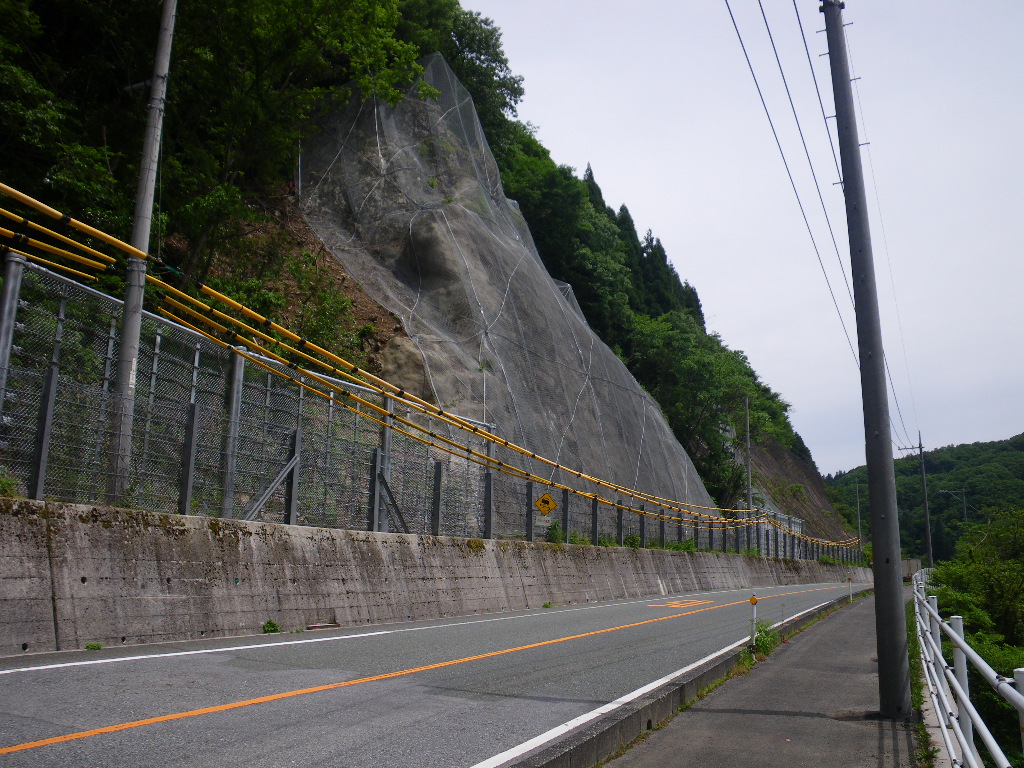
[(246, 79), (984, 583), (990, 476)]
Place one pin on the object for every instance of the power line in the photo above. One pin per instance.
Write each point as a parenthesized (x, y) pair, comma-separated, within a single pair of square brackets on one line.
[(817, 90), (888, 260), (792, 183), (807, 153)]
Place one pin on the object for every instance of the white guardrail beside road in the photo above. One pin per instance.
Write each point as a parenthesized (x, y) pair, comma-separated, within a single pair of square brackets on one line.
[(959, 722)]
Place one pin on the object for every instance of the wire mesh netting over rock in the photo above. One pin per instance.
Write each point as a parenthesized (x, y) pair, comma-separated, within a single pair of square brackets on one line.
[(409, 199)]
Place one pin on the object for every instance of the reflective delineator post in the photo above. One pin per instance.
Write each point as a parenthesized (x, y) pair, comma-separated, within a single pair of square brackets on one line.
[(753, 619)]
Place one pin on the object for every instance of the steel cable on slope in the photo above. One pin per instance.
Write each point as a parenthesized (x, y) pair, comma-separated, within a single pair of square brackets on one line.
[(792, 182), (386, 389)]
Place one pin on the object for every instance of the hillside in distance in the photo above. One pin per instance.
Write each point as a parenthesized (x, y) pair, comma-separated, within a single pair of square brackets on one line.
[(984, 478)]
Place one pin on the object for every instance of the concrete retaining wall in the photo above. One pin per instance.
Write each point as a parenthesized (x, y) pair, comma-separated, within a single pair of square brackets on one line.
[(73, 574)]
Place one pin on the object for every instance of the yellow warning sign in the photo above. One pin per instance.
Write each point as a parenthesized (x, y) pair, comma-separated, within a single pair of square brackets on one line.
[(545, 504)]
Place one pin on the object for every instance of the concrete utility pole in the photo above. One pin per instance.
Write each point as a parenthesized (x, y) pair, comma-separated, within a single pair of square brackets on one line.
[(131, 319), (890, 620), (746, 415), (856, 486), (924, 489)]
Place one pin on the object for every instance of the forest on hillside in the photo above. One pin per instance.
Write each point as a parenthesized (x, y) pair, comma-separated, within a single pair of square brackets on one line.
[(976, 480), (247, 81)]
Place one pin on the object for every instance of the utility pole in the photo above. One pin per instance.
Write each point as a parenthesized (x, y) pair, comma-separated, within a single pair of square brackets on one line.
[(890, 619), (746, 415), (131, 319), (856, 485), (924, 489)]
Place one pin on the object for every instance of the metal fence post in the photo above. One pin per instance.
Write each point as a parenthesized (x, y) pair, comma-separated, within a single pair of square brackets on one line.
[(188, 459), (227, 501), (661, 533), (49, 400), (529, 511), (384, 463), (489, 495), (565, 515), (374, 520), (956, 623), (188, 448), (154, 369), (1018, 678), (618, 523), (594, 535), (13, 271), (933, 623), (643, 528), (488, 505), (291, 485), (435, 501)]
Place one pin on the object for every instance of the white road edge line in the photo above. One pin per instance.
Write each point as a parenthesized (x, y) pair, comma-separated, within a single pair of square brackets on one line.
[(564, 728), (337, 638)]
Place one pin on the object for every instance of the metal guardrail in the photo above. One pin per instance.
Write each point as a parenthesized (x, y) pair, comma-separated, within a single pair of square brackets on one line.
[(960, 723)]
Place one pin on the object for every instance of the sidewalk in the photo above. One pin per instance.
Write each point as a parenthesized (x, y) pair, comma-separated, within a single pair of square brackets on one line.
[(813, 702)]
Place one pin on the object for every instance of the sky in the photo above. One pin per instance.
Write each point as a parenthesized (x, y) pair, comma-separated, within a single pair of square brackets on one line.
[(657, 97)]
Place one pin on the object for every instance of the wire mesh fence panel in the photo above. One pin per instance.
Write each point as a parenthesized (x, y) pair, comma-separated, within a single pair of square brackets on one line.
[(462, 495), (245, 450)]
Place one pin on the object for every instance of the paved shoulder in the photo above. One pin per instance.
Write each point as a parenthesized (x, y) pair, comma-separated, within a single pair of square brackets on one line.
[(814, 699)]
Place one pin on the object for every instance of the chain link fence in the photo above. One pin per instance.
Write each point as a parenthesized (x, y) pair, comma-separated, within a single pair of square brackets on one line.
[(213, 433), (219, 434)]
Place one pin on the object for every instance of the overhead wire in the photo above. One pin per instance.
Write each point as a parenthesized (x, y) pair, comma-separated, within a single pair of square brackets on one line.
[(888, 259), (807, 153), (792, 181)]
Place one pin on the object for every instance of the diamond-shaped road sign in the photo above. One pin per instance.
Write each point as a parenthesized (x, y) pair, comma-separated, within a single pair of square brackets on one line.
[(545, 504)]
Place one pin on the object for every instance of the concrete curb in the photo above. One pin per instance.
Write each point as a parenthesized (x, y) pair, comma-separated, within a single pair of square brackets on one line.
[(601, 739)]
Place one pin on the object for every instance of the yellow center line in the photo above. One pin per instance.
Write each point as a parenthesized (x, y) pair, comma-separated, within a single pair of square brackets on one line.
[(370, 679)]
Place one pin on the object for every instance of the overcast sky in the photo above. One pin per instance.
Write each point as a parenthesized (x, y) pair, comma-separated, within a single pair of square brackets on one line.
[(657, 97)]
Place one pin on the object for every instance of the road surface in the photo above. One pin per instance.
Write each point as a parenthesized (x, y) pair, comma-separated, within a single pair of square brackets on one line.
[(468, 692)]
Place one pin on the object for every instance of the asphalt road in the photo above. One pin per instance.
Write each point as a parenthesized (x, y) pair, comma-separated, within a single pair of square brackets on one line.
[(456, 692)]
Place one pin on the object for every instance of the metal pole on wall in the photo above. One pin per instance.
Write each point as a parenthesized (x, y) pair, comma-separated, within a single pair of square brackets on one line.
[(131, 320), (529, 511), (489, 496), (890, 619), (565, 515), (13, 270), (227, 500)]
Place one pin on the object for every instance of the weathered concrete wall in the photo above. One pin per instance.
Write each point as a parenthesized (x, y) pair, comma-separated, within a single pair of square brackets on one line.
[(72, 574)]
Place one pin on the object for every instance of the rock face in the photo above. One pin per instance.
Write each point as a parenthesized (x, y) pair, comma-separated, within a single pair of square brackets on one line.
[(792, 484), (409, 199)]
